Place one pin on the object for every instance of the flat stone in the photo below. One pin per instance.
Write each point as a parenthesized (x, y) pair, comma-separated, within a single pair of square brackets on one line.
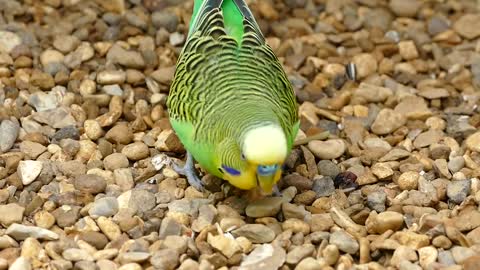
[(22, 232)]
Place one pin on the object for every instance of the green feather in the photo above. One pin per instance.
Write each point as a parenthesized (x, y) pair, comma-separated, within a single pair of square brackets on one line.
[(227, 80)]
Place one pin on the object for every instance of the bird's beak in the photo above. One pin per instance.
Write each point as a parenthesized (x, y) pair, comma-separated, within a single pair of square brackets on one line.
[(266, 182)]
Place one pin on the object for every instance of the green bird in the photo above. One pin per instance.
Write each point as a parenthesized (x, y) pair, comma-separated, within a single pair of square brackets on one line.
[(231, 103)]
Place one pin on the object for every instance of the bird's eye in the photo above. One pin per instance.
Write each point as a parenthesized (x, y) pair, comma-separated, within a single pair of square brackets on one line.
[(229, 170), (242, 156)]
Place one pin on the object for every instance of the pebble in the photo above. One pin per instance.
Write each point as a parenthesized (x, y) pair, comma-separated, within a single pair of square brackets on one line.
[(473, 142), (460, 254), (9, 40), (8, 133), (136, 151), (106, 206), (408, 180), (366, 64), (267, 256), (427, 256), (387, 121), (266, 207), (21, 263), (165, 259), (380, 223), (468, 26), (457, 191), (29, 170), (298, 253), (115, 161), (308, 264), (11, 213), (256, 233), (21, 232), (111, 77), (227, 246), (109, 228), (76, 254), (344, 241), (93, 129), (408, 8), (330, 149), (328, 168), (90, 183), (323, 187)]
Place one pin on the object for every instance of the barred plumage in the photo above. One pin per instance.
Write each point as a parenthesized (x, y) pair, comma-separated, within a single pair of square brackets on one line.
[(224, 86)]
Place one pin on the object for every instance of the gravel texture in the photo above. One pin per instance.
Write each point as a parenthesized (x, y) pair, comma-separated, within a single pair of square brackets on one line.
[(85, 181)]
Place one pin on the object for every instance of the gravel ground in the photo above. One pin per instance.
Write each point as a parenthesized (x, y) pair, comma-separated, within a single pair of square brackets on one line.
[(85, 136)]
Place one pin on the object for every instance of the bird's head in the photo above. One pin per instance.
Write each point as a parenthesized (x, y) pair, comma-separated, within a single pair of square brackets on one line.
[(262, 152)]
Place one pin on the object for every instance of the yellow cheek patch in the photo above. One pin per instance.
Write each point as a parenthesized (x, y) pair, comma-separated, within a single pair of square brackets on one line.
[(246, 180)]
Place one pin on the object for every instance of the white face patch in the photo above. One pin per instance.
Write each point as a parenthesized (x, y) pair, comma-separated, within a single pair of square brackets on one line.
[(265, 145)]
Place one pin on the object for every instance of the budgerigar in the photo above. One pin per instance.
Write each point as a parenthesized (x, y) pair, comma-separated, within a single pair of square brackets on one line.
[(230, 102)]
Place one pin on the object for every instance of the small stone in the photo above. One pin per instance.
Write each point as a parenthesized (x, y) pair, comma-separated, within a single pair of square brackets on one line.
[(106, 206), (44, 219), (109, 228), (376, 201), (366, 65), (130, 266), (136, 151), (473, 142), (403, 253), (411, 239), (296, 226), (120, 134), (66, 43), (382, 171), (330, 149), (111, 77), (344, 241), (96, 239), (321, 222), (11, 213), (66, 215), (126, 58), (165, 259), (177, 39), (29, 170), (328, 168), (408, 180), (133, 257), (380, 223), (308, 264), (468, 26), (413, 108), (8, 41), (298, 253), (372, 93), (93, 129), (32, 149), (266, 207), (460, 254), (457, 191), (90, 183), (257, 233), (8, 134), (115, 161), (21, 232), (455, 164), (323, 187), (227, 246), (21, 263), (428, 138), (441, 167), (405, 8), (407, 49), (76, 254), (387, 121), (442, 241), (266, 256), (427, 256)]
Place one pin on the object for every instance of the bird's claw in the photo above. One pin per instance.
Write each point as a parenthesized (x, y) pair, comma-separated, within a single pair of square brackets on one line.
[(188, 170)]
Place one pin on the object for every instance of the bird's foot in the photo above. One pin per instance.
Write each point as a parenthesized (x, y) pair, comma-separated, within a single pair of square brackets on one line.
[(190, 172)]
